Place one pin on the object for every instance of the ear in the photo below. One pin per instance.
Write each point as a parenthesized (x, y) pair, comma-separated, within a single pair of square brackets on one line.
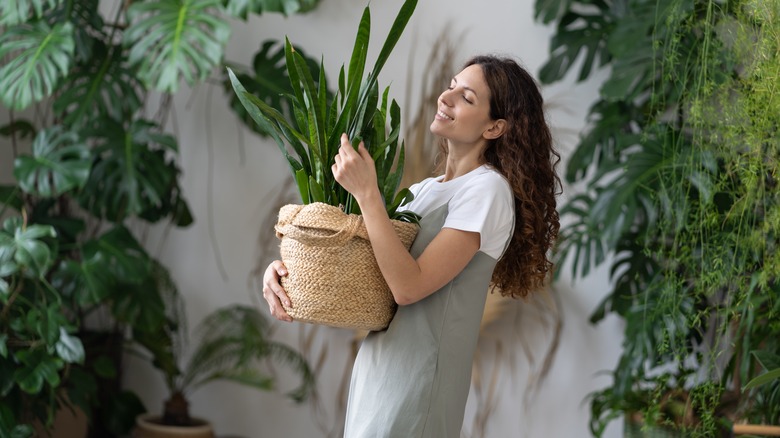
[(496, 130)]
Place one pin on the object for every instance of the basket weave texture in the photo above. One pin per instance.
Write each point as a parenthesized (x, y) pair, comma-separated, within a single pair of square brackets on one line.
[(333, 278)]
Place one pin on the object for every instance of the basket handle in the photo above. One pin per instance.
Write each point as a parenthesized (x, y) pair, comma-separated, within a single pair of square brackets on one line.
[(339, 238)]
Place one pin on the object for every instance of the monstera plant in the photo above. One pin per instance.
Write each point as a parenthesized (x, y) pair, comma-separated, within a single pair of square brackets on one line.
[(679, 171), (77, 82)]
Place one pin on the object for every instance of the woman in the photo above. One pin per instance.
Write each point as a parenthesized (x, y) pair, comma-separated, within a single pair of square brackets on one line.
[(490, 218)]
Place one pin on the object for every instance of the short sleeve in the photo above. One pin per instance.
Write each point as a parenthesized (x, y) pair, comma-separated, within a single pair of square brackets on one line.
[(485, 206)]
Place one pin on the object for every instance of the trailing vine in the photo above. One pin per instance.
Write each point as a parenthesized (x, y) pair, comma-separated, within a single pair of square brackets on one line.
[(680, 165)]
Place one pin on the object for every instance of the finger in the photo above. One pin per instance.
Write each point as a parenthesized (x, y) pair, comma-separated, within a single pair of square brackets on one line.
[(346, 146), (363, 151), (274, 306), (279, 267), (274, 293)]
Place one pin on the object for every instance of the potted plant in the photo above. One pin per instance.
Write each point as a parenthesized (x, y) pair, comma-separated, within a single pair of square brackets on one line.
[(232, 345), (89, 167), (680, 188), (318, 236)]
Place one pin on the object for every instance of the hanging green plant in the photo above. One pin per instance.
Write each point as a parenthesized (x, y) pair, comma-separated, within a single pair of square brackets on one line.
[(679, 166)]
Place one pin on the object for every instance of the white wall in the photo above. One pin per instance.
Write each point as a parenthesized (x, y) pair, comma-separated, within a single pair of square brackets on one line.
[(243, 174)]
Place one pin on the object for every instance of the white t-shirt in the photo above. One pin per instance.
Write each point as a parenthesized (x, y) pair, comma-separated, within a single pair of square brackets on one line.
[(480, 201)]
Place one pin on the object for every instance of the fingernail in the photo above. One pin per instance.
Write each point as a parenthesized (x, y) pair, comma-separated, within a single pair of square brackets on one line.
[(287, 303), (282, 272)]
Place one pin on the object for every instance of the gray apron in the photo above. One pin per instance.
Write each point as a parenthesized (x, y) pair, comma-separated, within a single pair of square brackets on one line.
[(412, 380)]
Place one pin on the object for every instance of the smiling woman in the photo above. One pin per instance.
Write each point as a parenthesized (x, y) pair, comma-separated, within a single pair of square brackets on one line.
[(477, 228)]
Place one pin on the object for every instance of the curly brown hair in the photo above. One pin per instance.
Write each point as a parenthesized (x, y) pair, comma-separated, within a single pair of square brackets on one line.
[(525, 156)]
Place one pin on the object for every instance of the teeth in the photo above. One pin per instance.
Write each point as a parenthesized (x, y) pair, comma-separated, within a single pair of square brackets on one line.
[(444, 115)]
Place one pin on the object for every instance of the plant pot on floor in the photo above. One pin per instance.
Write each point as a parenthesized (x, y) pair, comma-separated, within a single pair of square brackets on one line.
[(150, 426)]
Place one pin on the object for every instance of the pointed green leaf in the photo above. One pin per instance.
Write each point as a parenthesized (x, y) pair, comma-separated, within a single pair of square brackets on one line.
[(69, 348), (763, 379)]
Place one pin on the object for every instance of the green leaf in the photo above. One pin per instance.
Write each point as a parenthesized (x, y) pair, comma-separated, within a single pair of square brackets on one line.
[(767, 359), (36, 369), (86, 282), (140, 304), (39, 57), (101, 88), (14, 12), (396, 30), (18, 128), (122, 255), (763, 379), (60, 162), (11, 196), (174, 39), (260, 112), (577, 33), (134, 173), (549, 10), (88, 26), (268, 80), (241, 8), (104, 367), (69, 348), (4, 345), (24, 245), (632, 75)]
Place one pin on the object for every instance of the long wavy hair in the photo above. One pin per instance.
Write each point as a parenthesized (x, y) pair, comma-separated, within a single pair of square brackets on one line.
[(525, 156)]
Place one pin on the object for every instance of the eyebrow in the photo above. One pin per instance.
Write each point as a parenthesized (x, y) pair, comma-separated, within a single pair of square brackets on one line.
[(465, 87)]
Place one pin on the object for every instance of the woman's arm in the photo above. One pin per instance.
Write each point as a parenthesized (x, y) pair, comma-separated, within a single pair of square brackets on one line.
[(409, 280)]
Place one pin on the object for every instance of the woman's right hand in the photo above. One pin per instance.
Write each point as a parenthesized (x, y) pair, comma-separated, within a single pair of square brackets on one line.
[(274, 293)]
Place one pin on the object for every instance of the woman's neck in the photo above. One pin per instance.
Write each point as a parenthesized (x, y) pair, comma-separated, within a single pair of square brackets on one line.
[(462, 161)]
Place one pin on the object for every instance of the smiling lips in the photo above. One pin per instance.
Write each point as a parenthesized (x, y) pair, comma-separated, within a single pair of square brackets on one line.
[(441, 115)]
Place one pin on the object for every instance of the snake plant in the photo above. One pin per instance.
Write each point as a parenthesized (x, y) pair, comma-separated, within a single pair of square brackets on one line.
[(358, 109)]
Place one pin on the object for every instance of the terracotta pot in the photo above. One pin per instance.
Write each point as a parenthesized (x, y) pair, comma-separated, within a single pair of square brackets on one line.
[(148, 426)]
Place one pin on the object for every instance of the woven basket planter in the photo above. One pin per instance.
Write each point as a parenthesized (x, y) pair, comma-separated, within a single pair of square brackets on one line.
[(333, 276)]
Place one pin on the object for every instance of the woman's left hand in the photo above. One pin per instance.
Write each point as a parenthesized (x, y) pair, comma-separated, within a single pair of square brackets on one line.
[(354, 170)]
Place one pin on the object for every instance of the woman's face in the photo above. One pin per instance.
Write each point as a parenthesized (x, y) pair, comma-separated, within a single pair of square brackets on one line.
[(463, 116)]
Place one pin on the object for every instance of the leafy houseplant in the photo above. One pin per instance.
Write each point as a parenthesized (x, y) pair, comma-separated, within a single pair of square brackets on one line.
[(680, 177), (315, 132), (232, 344), (326, 233), (90, 166)]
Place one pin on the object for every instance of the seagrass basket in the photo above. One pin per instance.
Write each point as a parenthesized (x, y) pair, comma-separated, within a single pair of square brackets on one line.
[(333, 278)]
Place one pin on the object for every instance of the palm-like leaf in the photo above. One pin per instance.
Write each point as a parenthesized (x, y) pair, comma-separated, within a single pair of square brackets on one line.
[(60, 162), (133, 173), (102, 87), (39, 56), (242, 8), (233, 344), (13, 12), (174, 39)]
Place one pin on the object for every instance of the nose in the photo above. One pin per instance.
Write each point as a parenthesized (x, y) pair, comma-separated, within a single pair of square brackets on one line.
[(444, 97)]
